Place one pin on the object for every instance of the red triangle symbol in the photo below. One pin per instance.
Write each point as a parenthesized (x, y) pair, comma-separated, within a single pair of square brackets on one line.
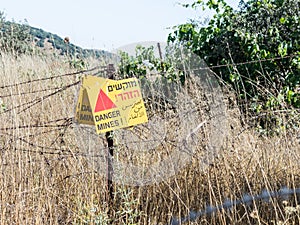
[(103, 102)]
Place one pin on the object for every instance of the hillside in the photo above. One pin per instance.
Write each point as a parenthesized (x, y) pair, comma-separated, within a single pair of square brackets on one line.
[(24, 38), (43, 38)]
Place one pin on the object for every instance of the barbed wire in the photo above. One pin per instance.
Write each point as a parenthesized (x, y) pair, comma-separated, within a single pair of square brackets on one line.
[(64, 152), (36, 161), (29, 92), (155, 73), (53, 77), (244, 63), (104, 68), (67, 122), (39, 99), (247, 199), (58, 90), (36, 146), (44, 125), (59, 151)]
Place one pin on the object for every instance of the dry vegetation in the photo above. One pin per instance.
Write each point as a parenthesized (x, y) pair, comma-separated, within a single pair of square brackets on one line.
[(46, 178)]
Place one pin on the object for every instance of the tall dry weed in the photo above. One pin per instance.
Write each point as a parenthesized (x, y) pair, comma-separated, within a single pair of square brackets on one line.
[(46, 177)]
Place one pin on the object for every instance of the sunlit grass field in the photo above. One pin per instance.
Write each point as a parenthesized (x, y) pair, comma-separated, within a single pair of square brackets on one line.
[(46, 177)]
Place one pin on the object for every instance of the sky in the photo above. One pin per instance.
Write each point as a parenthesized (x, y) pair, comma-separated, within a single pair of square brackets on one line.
[(103, 24)]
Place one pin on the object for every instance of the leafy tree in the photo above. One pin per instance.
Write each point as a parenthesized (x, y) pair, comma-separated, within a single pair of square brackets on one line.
[(256, 48)]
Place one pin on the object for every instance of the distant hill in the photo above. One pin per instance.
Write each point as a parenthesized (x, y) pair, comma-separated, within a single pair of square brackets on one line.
[(44, 39), (15, 35)]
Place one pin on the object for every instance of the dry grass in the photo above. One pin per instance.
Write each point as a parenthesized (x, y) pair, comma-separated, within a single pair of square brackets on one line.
[(46, 178)]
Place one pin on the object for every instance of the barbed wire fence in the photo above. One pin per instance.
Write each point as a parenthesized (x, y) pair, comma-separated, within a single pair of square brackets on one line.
[(96, 70), (61, 124), (102, 69), (57, 125)]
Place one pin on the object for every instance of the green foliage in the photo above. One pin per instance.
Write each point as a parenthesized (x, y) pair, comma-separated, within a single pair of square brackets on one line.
[(128, 209), (14, 38), (40, 43), (145, 65), (77, 63), (125, 209), (257, 48), (138, 65), (2, 106)]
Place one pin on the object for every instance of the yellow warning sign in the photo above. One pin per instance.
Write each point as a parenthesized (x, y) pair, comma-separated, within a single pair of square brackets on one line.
[(112, 104), (84, 113)]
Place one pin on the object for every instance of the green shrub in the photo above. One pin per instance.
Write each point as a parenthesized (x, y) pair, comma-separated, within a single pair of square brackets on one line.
[(255, 49)]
